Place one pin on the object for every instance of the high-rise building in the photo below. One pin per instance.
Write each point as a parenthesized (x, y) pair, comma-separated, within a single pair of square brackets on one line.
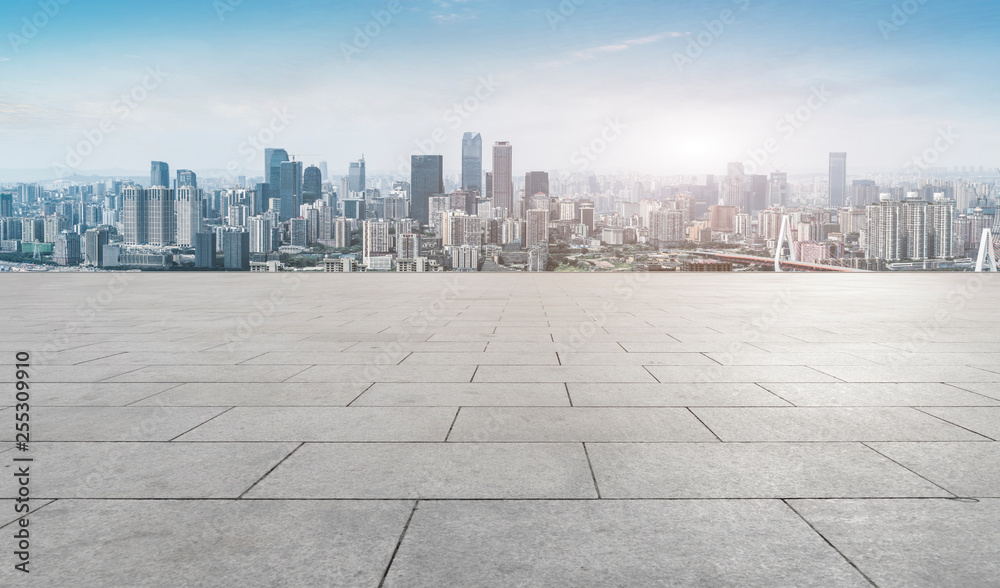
[(312, 185), (6, 205), (667, 227), (273, 158), (758, 188), (488, 187), (135, 202), (375, 239), (535, 183), (186, 178), (298, 232), (159, 174), (324, 170), (356, 175), (838, 179), (94, 242), (777, 190), (863, 193), (236, 250), (734, 187), (261, 233), (67, 249), (426, 180), (290, 191), (161, 220), (204, 250), (188, 210), (341, 233), (408, 245), (943, 227), (503, 177), (472, 162), (536, 227)]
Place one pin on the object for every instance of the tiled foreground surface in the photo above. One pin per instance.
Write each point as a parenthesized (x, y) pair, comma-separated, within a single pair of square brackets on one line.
[(506, 430)]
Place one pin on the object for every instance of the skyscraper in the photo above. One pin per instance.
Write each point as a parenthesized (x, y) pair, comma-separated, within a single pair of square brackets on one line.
[(472, 162), (187, 208), (186, 177), (838, 179), (324, 169), (236, 250), (357, 176), (273, 158), (159, 174), (312, 185), (135, 201), (536, 183), (94, 243), (777, 190), (734, 187), (162, 222), (204, 250), (6, 205), (503, 177), (290, 190), (426, 180)]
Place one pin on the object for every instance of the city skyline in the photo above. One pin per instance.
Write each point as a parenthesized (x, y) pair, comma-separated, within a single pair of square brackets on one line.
[(677, 88)]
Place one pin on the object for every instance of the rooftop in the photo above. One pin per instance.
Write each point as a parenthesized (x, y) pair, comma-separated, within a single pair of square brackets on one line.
[(505, 430)]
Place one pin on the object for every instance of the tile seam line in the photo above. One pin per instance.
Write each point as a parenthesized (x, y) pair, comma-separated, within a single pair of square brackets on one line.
[(268, 472), (201, 423), (955, 424), (866, 444), (590, 464), (399, 543), (175, 386), (828, 542)]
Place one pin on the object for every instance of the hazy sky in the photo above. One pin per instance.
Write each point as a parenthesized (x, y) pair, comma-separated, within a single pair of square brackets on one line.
[(550, 76)]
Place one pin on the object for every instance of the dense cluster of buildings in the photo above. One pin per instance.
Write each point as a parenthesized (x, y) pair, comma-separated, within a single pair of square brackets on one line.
[(484, 220)]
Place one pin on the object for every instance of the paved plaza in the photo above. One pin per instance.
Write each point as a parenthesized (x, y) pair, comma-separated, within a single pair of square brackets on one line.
[(495, 430)]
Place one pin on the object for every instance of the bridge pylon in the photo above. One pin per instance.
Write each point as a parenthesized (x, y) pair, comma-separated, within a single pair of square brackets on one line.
[(987, 252), (785, 235)]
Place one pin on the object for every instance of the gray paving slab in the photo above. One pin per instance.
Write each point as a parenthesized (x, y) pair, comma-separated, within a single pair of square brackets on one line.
[(276, 394), (829, 424), (982, 420), (68, 373), (523, 374), (751, 470), (200, 358), (100, 423), (966, 469), (877, 394), (910, 373), (544, 424), (310, 358), (478, 394), (151, 543), (212, 373), (615, 543), (326, 424), (689, 394), (990, 389), (147, 470), (606, 359), (92, 394), (442, 470), (473, 358), (550, 346), (719, 373), (749, 357), (913, 543), (385, 373)]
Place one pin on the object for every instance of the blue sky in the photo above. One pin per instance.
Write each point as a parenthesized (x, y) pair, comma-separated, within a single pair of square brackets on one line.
[(560, 75)]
